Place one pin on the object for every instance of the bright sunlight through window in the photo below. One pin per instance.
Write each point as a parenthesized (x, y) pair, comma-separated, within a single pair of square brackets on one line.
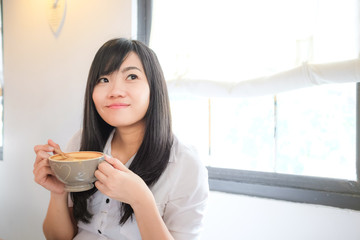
[(307, 131)]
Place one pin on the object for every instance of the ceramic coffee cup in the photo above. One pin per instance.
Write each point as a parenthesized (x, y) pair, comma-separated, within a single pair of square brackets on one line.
[(77, 171)]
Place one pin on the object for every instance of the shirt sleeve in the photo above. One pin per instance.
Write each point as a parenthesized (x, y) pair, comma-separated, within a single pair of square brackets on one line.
[(184, 212)]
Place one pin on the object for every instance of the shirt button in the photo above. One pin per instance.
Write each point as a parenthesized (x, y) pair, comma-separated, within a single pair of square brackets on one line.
[(107, 200), (99, 231)]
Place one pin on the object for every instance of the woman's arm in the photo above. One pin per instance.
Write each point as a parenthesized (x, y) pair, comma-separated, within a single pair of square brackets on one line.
[(187, 199), (149, 221), (59, 222)]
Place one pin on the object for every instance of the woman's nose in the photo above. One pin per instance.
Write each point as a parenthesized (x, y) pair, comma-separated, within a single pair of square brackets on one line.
[(118, 89)]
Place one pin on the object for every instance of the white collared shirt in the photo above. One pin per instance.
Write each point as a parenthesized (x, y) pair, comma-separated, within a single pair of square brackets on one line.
[(180, 193)]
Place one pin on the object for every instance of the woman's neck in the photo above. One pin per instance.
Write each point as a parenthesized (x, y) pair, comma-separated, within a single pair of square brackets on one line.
[(126, 142)]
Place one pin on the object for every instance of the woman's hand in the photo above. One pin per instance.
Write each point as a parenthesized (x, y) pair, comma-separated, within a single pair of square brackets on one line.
[(118, 182), (42, 172)]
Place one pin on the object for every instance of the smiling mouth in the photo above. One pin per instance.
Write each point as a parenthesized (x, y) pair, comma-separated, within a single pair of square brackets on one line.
[(118, 105)]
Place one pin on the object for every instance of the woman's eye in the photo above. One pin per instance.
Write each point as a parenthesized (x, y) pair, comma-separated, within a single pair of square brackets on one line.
[(103, 80), (132, 77)]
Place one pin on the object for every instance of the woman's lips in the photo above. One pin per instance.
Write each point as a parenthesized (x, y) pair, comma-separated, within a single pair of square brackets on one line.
[(118, 105)]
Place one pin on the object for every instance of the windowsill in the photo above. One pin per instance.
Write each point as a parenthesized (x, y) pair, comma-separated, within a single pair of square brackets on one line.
[(313, 190)]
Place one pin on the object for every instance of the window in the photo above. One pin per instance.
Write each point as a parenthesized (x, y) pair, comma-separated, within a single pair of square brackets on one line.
[(237, 76), (307, 132)]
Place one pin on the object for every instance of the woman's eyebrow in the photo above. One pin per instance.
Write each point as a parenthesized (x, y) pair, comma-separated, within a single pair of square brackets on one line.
[(130, 68)]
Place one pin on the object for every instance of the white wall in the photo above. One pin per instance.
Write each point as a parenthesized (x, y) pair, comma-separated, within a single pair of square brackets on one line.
[(237, 217), (44, 86)]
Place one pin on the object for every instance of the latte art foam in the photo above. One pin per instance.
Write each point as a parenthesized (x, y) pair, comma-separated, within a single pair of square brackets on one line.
[(77, 156)]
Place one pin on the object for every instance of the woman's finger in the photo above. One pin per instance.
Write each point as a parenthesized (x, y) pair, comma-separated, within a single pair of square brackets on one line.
[(100, 176), (106, 168), (42, 155), (53, 144), (116, 163), (45, 148), (40, 164), (42, 171), (100, 186), (41, 174)]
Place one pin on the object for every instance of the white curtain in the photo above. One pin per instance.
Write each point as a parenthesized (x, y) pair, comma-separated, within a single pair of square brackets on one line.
[(248, 48), (306, 75)]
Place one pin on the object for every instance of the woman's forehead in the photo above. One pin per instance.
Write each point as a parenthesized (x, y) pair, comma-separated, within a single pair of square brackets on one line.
[(132, 59), (116, 62)]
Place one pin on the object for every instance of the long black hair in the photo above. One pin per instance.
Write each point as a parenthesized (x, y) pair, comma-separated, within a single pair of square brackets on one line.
[(153, 154)]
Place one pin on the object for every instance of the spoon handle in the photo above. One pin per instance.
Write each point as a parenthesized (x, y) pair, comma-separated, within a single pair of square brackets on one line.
[(64, 155)]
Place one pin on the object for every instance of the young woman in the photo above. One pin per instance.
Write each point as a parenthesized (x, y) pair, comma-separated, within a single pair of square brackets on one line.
[(151, 186)]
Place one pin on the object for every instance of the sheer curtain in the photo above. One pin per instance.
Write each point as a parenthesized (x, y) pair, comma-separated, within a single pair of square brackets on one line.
[(255, 47)]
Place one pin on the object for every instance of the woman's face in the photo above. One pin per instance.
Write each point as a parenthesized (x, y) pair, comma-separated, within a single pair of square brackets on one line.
[(122, 97)]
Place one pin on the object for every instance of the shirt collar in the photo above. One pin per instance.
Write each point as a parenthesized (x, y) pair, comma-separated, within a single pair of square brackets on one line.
[(107, 150)]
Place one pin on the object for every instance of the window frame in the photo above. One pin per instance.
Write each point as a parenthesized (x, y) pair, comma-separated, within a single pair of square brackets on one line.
[(293, 188), (144, 17), (2, 81)]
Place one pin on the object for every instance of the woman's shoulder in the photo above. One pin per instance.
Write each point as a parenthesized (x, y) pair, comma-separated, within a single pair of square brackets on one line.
[(186, 172), (185, 175), (73, 144), (185, 155)]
